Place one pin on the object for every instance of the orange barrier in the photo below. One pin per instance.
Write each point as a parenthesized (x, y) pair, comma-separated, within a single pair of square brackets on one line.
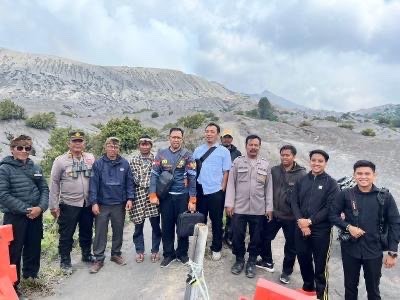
[(267, 290), (8, 273)]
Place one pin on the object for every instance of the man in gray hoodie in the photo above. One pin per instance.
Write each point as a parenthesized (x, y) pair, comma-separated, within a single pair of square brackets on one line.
[(284, 177), (248, 199)]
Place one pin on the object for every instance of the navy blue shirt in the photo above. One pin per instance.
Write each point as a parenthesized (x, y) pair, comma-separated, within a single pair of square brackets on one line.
[(112, 181), (184, 174)]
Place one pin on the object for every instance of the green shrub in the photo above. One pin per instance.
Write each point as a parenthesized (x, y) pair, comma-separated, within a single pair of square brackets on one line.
[(9, 110), (69, 114), (304, 124), (383, 120), (265, 110), (193, 121), (154, 114), (331, 119), (368, 132), (346, 125), (42, 121), (252, 113), (395, 123)]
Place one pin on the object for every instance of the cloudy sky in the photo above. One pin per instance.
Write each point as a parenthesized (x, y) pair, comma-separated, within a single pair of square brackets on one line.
[(329, 54)]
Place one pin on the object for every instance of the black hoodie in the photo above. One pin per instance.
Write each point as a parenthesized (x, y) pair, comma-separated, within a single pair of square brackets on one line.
[(312, 198), (283, 184)]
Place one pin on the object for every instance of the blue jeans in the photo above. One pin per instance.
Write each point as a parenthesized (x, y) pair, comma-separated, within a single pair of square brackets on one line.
[(138, 238)]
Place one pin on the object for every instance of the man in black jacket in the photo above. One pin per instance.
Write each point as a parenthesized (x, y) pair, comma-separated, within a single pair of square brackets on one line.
[(24, 196), (226, 141), (284, 177), (311, 201), (362, 209)]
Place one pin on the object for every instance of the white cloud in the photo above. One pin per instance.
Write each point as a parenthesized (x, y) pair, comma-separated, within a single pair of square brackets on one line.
[(335, 54)]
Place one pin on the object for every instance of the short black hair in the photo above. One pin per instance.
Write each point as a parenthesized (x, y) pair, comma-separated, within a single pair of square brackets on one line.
[(364, 163), (252, 137), (289, 147), (176, 129), (215, 125), (319, 151)]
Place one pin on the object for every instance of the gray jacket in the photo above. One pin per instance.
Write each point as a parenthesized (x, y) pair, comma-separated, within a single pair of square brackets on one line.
[(249, 189), (65, 187)]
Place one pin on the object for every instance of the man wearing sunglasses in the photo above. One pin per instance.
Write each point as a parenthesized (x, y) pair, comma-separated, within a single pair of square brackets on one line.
[(69, 192), (24, 196)]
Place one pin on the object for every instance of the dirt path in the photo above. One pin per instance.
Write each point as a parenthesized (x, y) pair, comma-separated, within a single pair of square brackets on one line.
[(147, 281)]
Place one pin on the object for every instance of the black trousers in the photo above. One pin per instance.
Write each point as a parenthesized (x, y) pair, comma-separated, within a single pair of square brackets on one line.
[(213, 205), (228, 234), (239, 226), (314, 248), (70, 217), (27, 242), (170, 208), (270, 230), (372, 275)]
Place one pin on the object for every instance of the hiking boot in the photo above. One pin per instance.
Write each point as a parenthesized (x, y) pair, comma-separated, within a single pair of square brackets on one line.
[(285, 278), (250, 269), (65, 264), (262, 264), (97, 265), (183, 259), (238, 267), (166, 261), (118, 259), (216, 256)]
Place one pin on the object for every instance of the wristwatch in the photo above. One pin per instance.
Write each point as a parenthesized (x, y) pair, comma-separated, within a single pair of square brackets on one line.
[(392, 254)]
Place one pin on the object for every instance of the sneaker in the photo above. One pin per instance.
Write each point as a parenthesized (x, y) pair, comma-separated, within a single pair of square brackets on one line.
[(118, 259), (66, 269), (166, 261), (183, 259), (97, 265), (238, 267), (250, 269), (265, 265), (216, 256), (285, 278), (88, 258)]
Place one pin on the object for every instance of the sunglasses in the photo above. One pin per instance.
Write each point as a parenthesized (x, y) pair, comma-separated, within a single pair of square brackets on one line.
[(26, 148)]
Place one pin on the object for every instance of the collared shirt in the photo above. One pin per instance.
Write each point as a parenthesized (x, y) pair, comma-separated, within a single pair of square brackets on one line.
[(213, 168), (249, 189)]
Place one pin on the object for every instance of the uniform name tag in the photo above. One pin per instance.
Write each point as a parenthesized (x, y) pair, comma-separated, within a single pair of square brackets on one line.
[(121, 169)]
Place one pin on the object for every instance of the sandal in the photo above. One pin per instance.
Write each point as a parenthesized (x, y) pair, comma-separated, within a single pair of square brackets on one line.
[(139, 257), (155, 257)]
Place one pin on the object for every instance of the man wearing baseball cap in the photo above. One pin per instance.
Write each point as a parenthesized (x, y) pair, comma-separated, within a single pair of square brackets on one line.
[(69, 191), (226, 141)]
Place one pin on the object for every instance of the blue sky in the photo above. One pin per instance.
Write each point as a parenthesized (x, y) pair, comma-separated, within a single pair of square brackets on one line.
[(342, 55)]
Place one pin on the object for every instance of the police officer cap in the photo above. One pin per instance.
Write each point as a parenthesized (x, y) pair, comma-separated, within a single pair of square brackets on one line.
[(76, 135)]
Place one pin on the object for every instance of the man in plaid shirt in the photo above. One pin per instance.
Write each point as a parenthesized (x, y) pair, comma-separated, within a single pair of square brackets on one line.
[(141, 165)]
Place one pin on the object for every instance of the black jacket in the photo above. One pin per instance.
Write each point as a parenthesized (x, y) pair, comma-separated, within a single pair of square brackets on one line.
[(234, 152), (22, 186), (368, 246), (312, 198), (283, 185)]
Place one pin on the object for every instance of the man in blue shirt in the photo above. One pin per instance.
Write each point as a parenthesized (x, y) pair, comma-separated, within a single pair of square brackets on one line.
[(212, 180), (111, 191)]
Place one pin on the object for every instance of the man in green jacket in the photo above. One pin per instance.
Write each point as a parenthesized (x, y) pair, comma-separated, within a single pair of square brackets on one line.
[(24, 196)]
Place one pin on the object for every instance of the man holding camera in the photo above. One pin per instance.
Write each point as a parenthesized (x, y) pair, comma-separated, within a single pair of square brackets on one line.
[(371, 225), (69, 191)]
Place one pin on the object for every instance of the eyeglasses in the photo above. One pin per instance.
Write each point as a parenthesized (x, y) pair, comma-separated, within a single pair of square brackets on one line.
[(112, 146), (26, 148)]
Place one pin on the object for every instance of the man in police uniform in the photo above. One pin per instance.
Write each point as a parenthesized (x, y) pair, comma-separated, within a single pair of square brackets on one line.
[(69, 190), (248, 199), (362, 210)]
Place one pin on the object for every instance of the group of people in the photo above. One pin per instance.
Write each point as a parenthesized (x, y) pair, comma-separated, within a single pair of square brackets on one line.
[(215, 178)]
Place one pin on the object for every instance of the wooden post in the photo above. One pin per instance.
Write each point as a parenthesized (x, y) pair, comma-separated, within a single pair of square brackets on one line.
[(193, 287)]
